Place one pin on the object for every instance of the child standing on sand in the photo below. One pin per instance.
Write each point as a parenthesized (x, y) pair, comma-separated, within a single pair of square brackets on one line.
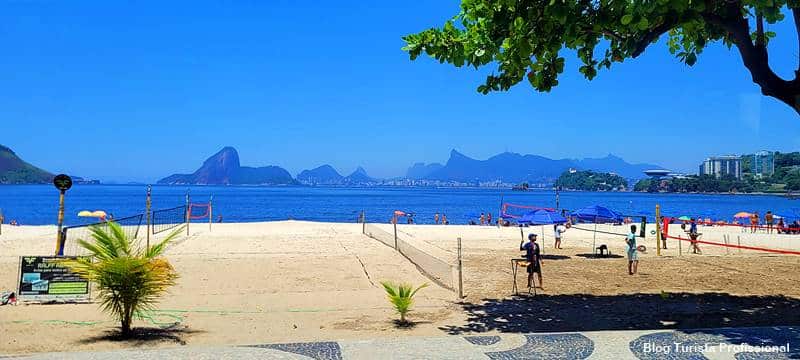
[(633, 256)]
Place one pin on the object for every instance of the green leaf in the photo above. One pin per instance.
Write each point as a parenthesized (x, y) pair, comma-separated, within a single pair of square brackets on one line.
[(626, 19)]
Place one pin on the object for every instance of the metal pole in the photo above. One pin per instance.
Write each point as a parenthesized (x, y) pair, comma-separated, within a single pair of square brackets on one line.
[(594, 235), (188, 212), (147, 214), (60, 235), (210, 213), (557, 197), (460, 273), (658, 230), (395, 233), (727, 249), (543, 244), (680, 249), (363, 222), (739, 241)]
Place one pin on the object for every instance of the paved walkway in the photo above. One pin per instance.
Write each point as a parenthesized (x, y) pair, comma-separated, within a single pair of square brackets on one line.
[(730, 343)]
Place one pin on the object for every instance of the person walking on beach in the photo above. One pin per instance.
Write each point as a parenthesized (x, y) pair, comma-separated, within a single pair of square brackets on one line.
[(444, 219), (436, 218), (483, 219), (770, 220), (693, 234), (532, 255), (633, 255), (488, 218)]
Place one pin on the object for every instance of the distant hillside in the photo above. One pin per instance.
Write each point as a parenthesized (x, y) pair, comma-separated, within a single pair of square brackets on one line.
[(517, 168), (14, 170), (422, 170), (591, 181), (359, 176), (321, 175), (223, 168)]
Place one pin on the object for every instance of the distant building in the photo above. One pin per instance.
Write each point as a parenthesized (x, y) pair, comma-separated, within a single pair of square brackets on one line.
[(719, 166), (763, 163)]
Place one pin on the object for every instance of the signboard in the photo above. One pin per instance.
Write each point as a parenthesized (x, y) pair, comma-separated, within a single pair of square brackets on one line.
[(44, 278), (62, 182)]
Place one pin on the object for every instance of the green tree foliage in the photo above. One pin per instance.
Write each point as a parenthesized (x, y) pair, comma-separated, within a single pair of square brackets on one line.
[(402, 297), (130, 278), (699, 184), (591, 181), (528, 38)]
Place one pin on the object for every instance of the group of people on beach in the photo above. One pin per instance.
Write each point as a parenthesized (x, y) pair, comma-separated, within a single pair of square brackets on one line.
[(440, 219), (533, 255)]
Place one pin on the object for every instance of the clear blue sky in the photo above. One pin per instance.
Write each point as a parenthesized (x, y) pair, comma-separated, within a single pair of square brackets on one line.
[(134, 91)]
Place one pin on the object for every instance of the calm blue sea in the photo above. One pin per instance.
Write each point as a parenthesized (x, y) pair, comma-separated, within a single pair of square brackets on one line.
[(38, 204)]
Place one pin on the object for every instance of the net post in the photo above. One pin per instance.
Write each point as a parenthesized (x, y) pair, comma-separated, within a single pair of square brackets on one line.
[(188, 212), (739, 241), (210, 209), (460, 273), (395, 234), (2, 219), (727, 249), (147, 215), (363, 222), (59, 235), (680, 250), (658, 230)]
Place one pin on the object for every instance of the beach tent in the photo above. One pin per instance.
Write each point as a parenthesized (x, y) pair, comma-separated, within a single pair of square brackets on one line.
[(542, 217), (742, 215), (597, 214)]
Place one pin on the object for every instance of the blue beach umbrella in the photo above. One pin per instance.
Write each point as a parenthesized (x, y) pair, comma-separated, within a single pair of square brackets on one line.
[(597, 214), (543, 217)]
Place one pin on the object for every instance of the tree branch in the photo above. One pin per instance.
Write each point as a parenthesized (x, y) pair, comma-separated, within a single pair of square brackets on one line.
[(652, 35), (755, 58), (760, 30), (796, 15)]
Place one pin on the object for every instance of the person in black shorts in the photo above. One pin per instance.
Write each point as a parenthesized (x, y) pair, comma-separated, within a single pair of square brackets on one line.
[(532, 255)]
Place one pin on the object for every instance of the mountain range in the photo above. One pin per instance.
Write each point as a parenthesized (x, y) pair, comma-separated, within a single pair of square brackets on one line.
[(327, 175), (516, 168), (223, 168)]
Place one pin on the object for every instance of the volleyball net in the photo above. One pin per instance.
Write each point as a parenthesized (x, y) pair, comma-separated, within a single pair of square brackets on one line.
[(71, 234), (722, 236), (438, 270), (516, 211), (167, 219)]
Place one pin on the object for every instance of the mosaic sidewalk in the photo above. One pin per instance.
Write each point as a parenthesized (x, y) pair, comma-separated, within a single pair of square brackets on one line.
[(729, 343)]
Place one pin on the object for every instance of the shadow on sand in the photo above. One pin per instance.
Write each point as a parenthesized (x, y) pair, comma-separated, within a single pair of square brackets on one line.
[(597, 256), (579, 312), (143, 336)]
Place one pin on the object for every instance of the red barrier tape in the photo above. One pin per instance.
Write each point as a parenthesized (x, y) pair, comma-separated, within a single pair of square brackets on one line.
[(789, 252), (675, 221)]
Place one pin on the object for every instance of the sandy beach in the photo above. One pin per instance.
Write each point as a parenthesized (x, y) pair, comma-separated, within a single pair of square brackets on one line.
[(287, 281)]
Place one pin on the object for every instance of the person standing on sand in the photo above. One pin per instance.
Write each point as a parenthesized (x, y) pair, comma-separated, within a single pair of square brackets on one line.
[(753, 222), (693, 234), (633, 255), (483, 219), (436, 218), (532, 252), (444, 219), (488, 218), (557, 234), (769, 219)]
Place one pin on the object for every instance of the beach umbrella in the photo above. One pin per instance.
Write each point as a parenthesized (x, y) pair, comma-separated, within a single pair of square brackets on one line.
[(543, 217), (597, 213), (742, 215), (85, 213), (99, 214), (684, 218)]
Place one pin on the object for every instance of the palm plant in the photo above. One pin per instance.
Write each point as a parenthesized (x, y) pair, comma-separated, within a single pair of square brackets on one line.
[(401, 296), (129, 278)]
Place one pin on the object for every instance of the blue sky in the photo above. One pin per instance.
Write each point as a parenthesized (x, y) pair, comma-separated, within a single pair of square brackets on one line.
[(134, 91)]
